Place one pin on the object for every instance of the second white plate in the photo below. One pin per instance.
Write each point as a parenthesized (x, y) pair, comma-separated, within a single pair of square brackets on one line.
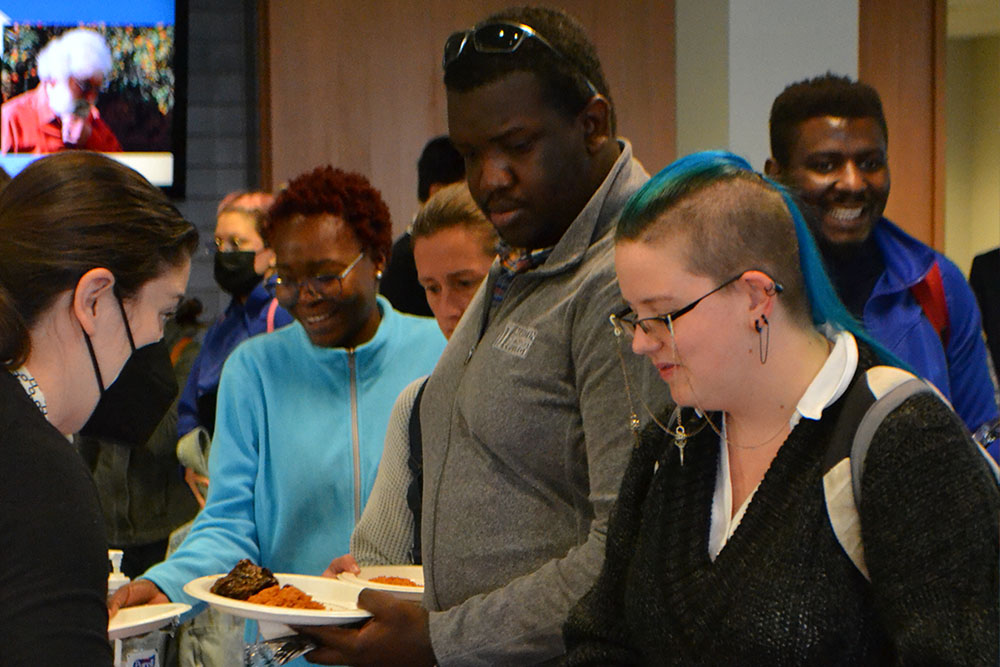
[(132, 621), (414, 573)]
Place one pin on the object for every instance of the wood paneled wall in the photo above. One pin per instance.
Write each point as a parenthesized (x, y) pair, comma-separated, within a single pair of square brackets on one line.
[(901, 53), (358, 84)]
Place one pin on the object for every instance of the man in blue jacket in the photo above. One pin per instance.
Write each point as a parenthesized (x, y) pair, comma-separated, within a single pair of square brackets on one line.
[(829, 142)]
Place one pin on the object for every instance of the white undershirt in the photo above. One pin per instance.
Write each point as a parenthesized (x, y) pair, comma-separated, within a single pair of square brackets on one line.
[(828, 385)]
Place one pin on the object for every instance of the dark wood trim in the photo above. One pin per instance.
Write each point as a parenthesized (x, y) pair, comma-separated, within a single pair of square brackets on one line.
[(263, 50), (901, 53), (940, 120)]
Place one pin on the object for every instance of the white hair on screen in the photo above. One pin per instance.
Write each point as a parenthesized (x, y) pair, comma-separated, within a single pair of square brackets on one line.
[(77, 53)]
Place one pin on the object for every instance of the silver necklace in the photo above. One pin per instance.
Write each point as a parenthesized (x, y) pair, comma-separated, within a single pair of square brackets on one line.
[(758, 445)]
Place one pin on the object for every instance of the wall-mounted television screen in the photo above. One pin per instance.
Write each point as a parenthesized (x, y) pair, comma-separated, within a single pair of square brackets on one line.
[(108, 76)]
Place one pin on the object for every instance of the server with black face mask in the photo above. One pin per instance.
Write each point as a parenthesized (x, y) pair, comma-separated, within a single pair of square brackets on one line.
[(130, 443), (130, 407), (95, 261)]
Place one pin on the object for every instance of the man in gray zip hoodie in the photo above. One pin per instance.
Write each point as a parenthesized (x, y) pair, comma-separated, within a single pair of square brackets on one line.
[(525, 420)]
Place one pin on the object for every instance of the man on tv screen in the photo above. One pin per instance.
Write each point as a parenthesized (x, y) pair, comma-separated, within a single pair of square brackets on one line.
[(59, 112)]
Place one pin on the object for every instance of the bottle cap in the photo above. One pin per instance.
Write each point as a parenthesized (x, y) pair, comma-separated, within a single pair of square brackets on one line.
[(115, 579)]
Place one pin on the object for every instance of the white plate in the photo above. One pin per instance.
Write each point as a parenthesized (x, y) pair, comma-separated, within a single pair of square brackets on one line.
[(340, 599), (414, 573), (132, 621)]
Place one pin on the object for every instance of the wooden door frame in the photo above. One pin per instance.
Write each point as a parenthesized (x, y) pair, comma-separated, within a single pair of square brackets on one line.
[(901, 52)]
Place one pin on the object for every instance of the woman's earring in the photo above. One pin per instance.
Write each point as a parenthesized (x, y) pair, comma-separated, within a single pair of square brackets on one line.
[(763, 336), (378, 275)]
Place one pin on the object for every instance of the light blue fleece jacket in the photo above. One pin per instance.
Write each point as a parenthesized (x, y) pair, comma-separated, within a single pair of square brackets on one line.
[(298, 439)]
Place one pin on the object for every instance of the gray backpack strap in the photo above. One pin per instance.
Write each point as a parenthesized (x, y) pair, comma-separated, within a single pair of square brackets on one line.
[(876, 414), (868, 401)]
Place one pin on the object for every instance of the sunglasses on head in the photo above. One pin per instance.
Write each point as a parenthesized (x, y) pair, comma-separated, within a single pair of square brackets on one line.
[(500, 37)]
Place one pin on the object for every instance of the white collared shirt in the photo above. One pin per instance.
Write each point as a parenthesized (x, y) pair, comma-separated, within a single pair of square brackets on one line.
[(828, 385)]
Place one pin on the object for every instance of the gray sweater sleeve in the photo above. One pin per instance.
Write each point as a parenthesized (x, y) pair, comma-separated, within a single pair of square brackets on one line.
[(384, 535)]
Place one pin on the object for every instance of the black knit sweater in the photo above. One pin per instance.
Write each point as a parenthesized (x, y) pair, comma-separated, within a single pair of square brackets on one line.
[(782, 591)]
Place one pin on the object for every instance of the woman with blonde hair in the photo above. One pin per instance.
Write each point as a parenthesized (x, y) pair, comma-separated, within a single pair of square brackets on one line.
[(453, 246)]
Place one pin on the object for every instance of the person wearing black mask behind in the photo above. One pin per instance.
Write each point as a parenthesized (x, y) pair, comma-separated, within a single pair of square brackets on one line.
[(95, 261), (242, 261)]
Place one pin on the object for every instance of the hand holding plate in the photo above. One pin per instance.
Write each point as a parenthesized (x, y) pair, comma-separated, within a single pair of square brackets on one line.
[(397, 634), (345, 563), (140, 591)]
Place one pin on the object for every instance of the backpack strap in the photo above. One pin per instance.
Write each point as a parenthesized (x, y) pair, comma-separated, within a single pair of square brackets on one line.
[(272, 308), (895, 395), (415, 462), (869, 400), (929, 293)]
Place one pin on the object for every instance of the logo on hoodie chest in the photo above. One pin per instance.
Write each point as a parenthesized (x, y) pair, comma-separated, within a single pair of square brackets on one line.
[(515, 339)]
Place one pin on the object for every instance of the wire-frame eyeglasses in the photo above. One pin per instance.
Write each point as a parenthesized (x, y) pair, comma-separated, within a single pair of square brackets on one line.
[(326, 285), (659, 326)]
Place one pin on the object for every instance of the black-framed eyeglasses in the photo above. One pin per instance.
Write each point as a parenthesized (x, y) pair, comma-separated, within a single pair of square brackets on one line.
[(661, 325), (327, 285), (500, 37)]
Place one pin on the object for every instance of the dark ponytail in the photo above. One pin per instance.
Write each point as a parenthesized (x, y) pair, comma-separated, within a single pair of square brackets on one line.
[(13, 332)]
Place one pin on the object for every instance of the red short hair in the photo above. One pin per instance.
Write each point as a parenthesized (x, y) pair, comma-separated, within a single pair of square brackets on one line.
[(347, 195)]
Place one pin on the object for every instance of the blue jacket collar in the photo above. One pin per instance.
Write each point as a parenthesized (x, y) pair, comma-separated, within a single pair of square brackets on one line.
[(907, 260), (366, 353)]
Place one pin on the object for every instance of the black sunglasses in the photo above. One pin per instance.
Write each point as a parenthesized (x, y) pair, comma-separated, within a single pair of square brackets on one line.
[(500, 37)]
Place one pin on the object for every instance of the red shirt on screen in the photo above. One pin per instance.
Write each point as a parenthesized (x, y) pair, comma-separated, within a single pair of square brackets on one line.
[(29, 126)]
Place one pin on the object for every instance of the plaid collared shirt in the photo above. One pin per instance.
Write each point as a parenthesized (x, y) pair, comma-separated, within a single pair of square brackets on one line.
[(514, 261)]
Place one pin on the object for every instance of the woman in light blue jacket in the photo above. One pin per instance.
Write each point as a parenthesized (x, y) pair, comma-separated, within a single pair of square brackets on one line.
[(302, 412)]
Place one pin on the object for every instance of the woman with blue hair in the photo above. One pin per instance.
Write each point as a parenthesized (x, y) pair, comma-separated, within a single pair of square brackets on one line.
[(741, 534)]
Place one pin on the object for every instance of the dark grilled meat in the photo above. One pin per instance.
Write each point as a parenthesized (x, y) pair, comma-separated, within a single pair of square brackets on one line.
[(244, 580)]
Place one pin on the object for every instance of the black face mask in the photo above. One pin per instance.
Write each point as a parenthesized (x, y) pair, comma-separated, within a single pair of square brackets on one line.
[(235, 273), (131, 408)]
